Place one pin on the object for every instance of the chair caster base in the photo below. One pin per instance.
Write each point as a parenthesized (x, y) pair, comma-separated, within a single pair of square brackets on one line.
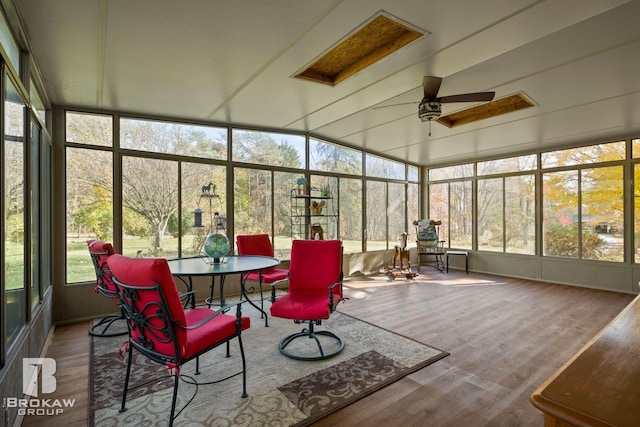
[(105, 324), (310, 334)]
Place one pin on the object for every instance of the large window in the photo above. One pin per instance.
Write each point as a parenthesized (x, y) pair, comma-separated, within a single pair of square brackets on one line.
[(460, 219), (396, 213), (15, 221), (506, 214), (584, 208), (46, 248), (283, 184), (519, 214), (439, 208), (91, 129), (327, 157), (25, 203), (252, 202), (582, 203), (602, 212), (35, 211), (636, 209), (8, 43), (452, 203), (173, 138), (89, 189), (376, 215), (384, 168), (598, 153), (491, 214), (560, 214), (268, 148), (203, 189), (350, 208), (150, 207), (413, 211), (149, 178)]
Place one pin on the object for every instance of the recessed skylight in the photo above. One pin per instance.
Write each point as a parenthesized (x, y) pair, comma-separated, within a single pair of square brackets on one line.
[(375, 39), (494, 108)]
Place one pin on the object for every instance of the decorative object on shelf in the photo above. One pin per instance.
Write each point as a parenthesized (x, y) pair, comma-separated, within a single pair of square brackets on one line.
[(316, 207), (317, 233), (217, 246), (302, 186)]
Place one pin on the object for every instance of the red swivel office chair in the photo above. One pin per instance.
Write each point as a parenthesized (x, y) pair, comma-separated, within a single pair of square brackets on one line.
[(315, 289)]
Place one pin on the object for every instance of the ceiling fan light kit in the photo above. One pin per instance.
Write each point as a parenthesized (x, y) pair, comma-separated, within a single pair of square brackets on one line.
[(429, 110)]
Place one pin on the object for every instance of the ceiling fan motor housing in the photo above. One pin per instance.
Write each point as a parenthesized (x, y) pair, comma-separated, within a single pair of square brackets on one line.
[(429, 110)]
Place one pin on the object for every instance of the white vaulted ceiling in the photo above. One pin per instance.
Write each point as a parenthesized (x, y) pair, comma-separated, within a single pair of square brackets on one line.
[(233, 61)]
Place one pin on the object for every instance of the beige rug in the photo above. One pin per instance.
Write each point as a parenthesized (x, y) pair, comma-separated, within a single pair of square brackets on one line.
[(282, 392)]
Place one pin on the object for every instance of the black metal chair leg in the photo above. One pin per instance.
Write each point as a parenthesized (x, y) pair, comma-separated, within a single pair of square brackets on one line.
[(126, 381), (244, 368), (174, 399)]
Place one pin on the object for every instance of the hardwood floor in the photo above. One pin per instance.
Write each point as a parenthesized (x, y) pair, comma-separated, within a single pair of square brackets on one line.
[(70, 348), (505, 336)]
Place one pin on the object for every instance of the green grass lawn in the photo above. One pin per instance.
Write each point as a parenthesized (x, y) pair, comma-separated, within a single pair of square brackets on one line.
[(80, 268)]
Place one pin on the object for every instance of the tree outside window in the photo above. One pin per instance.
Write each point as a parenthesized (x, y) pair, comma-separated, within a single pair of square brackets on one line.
[(506, 214), (376, 215), (89, 189), (149, 207), (350, 208), (460, 215), (583, 214)]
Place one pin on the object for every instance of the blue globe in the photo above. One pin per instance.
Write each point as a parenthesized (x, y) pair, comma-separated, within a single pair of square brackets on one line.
[(217, 245)]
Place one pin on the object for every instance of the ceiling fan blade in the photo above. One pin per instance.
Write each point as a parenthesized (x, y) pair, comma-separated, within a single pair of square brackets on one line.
[(431, 86), (469, 97), (395, 105)]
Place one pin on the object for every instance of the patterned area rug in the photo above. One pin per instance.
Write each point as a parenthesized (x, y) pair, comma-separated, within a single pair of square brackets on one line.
[(282, 392)]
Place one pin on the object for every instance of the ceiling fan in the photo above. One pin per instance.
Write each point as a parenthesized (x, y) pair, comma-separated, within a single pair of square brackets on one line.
[(431, 105)]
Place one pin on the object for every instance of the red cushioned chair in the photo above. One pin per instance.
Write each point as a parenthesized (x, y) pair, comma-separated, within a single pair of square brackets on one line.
[(315, 289), (99, 252), (162, 330), (260, 244)]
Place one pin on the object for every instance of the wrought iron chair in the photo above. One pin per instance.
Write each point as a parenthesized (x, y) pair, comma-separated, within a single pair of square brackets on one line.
[(99, 252), (162, 330), (315, 289), (429, 243), (260, 244)]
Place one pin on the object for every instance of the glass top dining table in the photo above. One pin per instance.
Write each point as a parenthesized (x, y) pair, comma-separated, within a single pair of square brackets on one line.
[(234, 264)]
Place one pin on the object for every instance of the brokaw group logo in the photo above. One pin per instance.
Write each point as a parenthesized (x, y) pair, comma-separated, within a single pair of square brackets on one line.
[(38, 377), (30, 370)]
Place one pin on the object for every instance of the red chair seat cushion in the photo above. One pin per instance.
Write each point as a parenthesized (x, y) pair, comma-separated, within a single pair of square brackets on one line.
[(214, 331), (269, 276), (302, 307)]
